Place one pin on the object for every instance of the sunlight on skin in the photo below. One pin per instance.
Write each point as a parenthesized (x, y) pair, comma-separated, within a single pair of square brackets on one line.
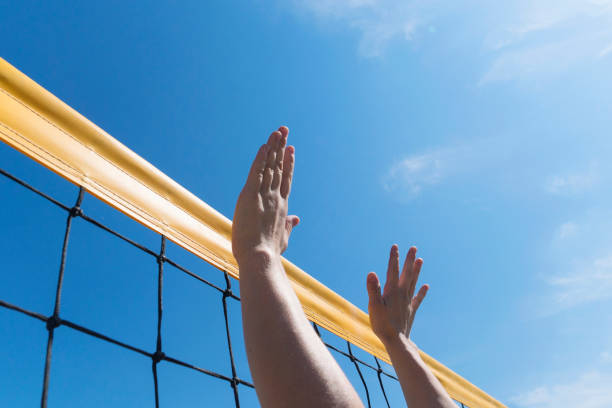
[(390, 312), (391, 316), (306, 375), (290, 365)]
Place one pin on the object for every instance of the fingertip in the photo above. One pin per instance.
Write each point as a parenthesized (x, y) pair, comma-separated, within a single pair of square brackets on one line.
[(296, 220), (394, 249), (273, 136), (419, 261), (291, 149), (411, 255), (372, 278), (284, 130)]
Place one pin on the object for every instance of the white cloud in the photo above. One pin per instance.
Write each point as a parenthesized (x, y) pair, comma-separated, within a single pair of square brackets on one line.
[(497, 163), (490, 161), (413, 173), (567, 230), (378, 21), (544, 38), (605, 51), (591, 282), (577, 268), (606, 357), (574, 183), (526, 39), (589, 390)]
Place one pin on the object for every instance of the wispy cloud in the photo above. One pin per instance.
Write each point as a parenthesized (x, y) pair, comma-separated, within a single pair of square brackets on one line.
[(605, 51), (592, 281), (577, 267), (498, 163), (413, 173), (490, 161), (576, 182), (522, 39), (589, 390), (548, 37), (567, 230), (378, 21)]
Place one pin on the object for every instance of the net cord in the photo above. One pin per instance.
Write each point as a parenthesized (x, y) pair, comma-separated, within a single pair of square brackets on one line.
[(38, 124), (55, 320)]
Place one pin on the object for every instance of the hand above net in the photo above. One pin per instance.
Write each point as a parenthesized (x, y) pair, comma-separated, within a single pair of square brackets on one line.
[(392, 312), (391, 316), (261, 224), (290, 365)]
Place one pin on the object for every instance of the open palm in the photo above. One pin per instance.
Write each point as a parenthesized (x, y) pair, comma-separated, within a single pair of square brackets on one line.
[(392, 311)]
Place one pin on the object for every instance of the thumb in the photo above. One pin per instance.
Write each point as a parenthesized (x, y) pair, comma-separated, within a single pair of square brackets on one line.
[(290, 222), (373, 285)]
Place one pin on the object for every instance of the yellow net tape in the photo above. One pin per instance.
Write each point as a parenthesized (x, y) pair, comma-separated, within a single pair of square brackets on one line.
[(35, 122)]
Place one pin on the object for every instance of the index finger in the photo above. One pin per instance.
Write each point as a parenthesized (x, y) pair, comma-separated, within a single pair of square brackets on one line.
[(255, 176)]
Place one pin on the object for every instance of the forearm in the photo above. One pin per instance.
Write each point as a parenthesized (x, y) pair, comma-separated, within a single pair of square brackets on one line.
[(421, 388), (282, 347)]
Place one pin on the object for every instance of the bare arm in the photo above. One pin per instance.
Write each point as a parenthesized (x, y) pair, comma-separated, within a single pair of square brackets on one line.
[(290, 365), (391, 316)]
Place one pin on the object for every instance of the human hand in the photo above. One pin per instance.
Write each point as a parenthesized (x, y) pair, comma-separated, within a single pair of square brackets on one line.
[(393, 311), (261, 224)]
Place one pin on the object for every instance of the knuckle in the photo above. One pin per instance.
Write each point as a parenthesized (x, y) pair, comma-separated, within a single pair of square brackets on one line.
[(271, 199)]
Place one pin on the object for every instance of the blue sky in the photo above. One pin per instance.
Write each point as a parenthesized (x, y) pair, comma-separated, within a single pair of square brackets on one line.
[(479, 132)]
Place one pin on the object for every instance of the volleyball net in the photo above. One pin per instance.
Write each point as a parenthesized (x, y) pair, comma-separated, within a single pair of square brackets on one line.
[(45, 129)]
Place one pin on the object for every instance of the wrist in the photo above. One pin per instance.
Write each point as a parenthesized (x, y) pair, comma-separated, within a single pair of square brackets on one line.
[(258, 256), (400, 343)]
